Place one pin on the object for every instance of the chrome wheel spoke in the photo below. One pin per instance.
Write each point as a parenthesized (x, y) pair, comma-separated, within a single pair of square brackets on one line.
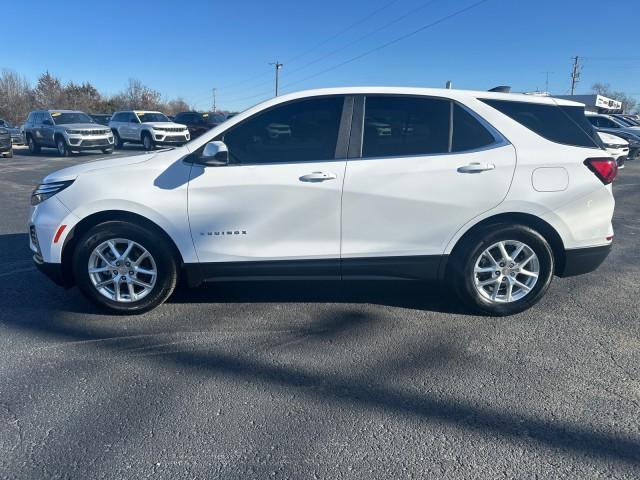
[(103, 258), (132, 293), (503, 251), (528, 273), (105, 283), (485, 269), (144, 271), (527, 260), (127, 251), (509, 291), (99, 269), (141, 283), (488, 282)]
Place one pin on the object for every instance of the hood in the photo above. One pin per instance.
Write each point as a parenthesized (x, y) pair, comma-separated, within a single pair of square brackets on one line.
[(611, 139), (165, 124), (81, 126), (71, 173)]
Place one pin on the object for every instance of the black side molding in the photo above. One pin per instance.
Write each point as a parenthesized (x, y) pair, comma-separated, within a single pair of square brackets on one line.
[(582, 260), (417, 267)]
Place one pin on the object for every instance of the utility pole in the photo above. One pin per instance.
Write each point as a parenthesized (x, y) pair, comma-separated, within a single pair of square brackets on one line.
[(575, 73), (214, 98), (546, 84), (278, 66)]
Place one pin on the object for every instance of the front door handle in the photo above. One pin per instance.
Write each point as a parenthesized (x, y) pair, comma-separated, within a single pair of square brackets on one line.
[(318, 177), (476, 167)]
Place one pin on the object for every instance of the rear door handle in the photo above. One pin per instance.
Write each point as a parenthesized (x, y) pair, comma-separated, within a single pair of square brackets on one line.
[(476, 167), (318, 177)]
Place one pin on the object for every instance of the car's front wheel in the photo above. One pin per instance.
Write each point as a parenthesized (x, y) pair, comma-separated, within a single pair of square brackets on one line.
[(148, 142), (503, 269), (34, 148), (63, 149), (124, 268)]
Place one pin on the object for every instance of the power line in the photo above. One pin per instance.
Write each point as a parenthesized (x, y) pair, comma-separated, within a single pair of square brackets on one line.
[(350, 44), (372, 50), (392, 42), (305, 52)]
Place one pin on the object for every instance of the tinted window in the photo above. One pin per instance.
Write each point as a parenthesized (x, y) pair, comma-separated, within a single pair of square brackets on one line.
[(468, 132), (296, 132), (400, 126), (146, 117), (559, 123)]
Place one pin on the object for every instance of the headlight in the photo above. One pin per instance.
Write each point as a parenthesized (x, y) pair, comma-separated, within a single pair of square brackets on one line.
[(160, 129), (47, 190), (73, 132), (611, 145)]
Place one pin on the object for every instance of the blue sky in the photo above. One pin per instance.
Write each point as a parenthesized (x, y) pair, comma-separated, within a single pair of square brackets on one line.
[(187, 48)]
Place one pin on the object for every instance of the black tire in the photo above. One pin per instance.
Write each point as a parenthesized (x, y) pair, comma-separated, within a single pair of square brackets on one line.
[(10, 153), (62, 147), (147, 142), (34, 148), (162, 254), (117, 141), (461, 268)]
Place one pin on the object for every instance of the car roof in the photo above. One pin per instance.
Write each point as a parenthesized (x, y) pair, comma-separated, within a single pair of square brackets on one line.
[(434, 92)]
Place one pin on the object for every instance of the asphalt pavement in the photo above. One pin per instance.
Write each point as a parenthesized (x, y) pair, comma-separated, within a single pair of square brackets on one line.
[(303, 380)]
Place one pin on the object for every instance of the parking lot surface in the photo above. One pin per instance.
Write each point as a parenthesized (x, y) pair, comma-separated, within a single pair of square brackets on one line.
[(317, 380)]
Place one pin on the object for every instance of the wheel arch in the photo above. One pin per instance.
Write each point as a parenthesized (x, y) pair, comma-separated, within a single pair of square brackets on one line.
[(544, 228), (84, 225)]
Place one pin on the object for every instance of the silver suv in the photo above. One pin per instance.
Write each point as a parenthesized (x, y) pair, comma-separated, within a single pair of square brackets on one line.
[(148, 128), (67, 131)]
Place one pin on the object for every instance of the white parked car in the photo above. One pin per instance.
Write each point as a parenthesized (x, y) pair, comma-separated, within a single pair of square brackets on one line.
[(494, 193), (148, 128), (615, 146)]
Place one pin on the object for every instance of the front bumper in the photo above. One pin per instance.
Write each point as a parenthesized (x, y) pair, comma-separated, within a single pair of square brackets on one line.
[(91, 142), (582, 260), (54, 271)]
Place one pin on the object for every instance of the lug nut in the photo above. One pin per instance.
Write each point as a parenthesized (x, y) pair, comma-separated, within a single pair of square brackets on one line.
[(115, 272), (502, 264), (117, 264), (127, 264), (131, 272), (123, 278)]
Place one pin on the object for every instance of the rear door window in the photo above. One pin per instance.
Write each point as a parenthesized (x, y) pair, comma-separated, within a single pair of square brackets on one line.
[(563, 124)]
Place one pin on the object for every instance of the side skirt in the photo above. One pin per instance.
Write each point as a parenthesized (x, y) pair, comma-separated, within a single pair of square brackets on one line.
[(417, 267)]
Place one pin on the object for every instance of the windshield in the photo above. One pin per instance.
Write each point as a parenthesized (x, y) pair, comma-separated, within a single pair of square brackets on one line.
[(146, 117), (64, 118)]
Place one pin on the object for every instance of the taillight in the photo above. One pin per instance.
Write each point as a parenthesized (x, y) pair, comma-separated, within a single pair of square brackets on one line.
[(604, 168)]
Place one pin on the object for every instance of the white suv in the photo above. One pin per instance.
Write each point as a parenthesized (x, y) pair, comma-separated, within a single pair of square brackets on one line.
[(492, 192), (148, 128)]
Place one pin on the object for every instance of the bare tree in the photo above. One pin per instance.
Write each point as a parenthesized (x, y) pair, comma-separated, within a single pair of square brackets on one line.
[(16, 97), (48, 92), (175, 106)]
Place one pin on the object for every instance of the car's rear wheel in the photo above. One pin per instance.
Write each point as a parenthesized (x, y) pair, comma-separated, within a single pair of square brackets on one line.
[(124, 268), (34, 148), (148, 142), (62, 147), (503, 269)]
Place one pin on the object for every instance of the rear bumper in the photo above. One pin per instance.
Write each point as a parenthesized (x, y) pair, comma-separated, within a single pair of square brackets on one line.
[(582, 260)]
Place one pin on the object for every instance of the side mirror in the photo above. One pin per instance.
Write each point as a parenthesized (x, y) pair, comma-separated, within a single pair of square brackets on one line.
[(47, 122), (215, 154)]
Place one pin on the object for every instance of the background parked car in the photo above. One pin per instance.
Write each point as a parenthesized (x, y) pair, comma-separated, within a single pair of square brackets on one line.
[(6, 148), (15, 132), (616, 146), (611, 124), (198, 123), (101, 118), (67, 131), (148, 128)]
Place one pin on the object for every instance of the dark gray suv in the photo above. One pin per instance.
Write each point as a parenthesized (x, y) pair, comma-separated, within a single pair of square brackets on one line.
[(67, 131)]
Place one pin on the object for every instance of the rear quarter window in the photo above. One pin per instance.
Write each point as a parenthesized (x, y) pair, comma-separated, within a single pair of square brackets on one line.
[(563, 124)]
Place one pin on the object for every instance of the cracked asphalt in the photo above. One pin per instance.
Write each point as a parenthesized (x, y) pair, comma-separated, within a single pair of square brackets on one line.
[(317, 380)]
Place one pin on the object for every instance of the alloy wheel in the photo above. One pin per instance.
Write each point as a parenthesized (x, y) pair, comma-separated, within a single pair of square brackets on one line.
[(122, 270), (506, 272)]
